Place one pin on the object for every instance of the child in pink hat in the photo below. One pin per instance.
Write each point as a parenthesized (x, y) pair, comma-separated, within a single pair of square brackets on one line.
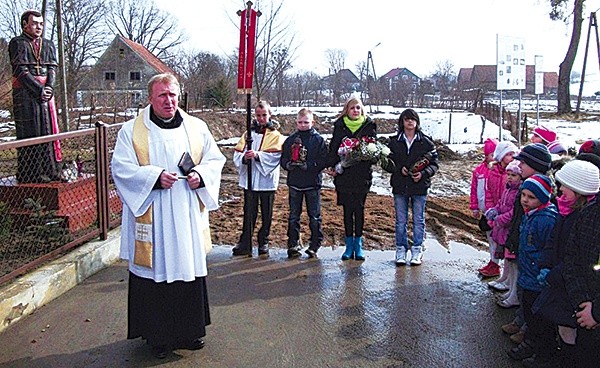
[(543, 135)]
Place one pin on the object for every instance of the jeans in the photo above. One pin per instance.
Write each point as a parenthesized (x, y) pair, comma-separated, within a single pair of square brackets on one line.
[(417, 203), (313, 208)]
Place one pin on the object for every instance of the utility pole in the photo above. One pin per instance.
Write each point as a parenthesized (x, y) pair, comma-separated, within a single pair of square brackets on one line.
[(593, 23), (370, 63)]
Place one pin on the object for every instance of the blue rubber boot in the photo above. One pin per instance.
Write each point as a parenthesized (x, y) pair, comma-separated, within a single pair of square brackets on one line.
[(358, 252), (349, 252)]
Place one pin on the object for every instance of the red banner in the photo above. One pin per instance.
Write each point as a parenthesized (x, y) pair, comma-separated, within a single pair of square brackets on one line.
[(247, 50)]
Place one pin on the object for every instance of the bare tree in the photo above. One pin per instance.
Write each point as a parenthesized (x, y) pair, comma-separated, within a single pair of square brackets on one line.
[(142, 22), (275, 47), (558, 12), (5, 76), (204, 76), (307, 88), (444, 77), (336, 58), (11, 10), (84, 38)]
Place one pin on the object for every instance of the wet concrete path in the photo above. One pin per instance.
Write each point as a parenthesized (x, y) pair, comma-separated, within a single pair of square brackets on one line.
[(277, 312)]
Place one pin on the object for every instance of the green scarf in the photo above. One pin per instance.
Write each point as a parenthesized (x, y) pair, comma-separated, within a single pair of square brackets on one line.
[(353, 125)]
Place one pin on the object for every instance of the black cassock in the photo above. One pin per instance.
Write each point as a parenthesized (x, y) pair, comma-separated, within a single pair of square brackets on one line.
[(34, 68)]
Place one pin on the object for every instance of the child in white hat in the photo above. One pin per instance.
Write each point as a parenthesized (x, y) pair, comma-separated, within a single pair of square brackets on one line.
[(580, 182)]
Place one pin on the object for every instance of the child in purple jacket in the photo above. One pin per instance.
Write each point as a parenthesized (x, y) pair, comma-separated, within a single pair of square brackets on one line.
[(500, 217)]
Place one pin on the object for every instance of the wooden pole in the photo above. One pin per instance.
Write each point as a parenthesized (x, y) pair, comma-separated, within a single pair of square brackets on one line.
[(585, 57), (62, 71)]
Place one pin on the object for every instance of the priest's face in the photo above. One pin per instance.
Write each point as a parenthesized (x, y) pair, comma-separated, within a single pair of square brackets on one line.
[(164, 99), (34, 26)]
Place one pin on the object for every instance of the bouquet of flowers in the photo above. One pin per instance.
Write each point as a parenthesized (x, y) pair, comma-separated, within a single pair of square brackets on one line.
[(355, 150)]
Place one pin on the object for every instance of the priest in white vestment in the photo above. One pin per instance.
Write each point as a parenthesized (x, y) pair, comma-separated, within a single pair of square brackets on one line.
[(167, 169)]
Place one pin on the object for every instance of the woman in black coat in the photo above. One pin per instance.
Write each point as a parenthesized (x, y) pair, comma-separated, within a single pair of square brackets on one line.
[(352, 181), (413, 161)]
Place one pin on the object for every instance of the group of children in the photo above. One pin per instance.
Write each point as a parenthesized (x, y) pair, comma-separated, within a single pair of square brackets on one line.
[(410, 157), (529, 211)]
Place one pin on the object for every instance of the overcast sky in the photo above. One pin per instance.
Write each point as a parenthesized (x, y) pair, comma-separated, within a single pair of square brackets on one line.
[(412, 34)]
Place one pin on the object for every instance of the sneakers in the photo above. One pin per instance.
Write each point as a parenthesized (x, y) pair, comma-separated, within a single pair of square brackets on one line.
[(507, 303), (416, 255), (498, 286), (511, 328), (311, 253), (400, 256), (294, 252), (491, 270), (522, 351)]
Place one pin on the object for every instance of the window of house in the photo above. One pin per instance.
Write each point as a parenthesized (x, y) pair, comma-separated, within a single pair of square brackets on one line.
[(135, 76), (109, 76), (136, 98)]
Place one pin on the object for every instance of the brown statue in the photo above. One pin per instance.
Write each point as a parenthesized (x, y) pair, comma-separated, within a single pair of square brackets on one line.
[(33, 61)]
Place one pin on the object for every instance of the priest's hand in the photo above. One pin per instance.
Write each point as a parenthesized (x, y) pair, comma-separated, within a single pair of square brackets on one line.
[(194, 180), (167, 179)]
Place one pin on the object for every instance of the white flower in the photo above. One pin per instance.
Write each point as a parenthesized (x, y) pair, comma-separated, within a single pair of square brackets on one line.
[(371, 147), (385, 150)]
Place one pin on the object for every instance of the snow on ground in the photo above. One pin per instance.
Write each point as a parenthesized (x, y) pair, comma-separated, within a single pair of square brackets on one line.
[(465, 128), (465, 133)]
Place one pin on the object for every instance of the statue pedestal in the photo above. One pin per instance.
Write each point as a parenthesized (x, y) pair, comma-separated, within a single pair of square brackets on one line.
[(74, 202)]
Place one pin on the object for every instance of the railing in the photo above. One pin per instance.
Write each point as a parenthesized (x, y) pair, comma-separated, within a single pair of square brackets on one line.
[(491, 112), (39, 220)]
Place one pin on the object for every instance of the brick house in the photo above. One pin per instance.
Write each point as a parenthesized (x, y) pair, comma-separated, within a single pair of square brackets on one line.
[(344, 81), (120, 76), (400, 76), (484, 77)]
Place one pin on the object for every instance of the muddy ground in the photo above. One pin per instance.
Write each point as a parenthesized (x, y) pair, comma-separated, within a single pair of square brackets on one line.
[(448, 217)]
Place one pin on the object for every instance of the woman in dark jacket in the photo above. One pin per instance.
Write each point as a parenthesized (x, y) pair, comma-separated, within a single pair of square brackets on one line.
[(352, 182), (412, 162)]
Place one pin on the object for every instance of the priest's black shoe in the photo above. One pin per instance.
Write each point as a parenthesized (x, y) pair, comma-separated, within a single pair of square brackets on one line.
[(160, 351), (239, 250), (196, 344)]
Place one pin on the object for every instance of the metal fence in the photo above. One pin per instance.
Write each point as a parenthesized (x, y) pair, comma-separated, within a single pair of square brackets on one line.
[(44, 213)]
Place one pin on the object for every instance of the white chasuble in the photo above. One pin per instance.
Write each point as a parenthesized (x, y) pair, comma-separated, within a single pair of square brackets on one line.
[(179, 222)]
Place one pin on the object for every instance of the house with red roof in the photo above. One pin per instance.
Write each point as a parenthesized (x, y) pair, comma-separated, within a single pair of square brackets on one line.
[(484, 77), (120, 77)]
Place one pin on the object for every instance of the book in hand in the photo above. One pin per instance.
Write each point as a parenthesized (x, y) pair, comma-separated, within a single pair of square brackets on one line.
[(186, 163)]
